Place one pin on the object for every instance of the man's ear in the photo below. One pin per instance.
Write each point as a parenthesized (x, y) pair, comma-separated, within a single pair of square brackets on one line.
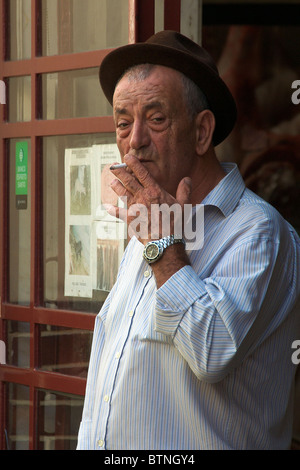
[(205, 126)]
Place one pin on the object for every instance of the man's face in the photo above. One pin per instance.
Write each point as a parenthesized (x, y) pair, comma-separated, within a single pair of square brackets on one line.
[(152, 123)]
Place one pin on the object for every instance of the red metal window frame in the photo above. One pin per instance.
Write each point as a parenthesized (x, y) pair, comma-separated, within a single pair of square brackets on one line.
[(141, 26)]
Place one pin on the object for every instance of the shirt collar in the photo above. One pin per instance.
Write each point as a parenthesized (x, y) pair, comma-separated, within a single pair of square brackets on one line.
[(228, 191)]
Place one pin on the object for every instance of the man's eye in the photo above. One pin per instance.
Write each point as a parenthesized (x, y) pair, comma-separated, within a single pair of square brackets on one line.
[(122, 125), (158, 119)]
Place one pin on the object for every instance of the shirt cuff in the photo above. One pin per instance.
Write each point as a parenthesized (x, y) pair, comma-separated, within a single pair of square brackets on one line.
[(175, 297)]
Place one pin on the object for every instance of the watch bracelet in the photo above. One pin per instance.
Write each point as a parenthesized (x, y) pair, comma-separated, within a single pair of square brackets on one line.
[(170, 240)]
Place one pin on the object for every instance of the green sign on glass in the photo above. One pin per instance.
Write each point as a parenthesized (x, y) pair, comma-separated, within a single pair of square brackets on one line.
[(21, 174)]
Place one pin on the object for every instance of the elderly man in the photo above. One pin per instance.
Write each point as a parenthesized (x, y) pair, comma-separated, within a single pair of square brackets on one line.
[(192, 348)]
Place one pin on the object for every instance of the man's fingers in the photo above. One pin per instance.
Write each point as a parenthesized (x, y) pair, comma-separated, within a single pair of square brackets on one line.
[(133, 179), (118, 212), (141, 173), (119, 188), (127, 180)]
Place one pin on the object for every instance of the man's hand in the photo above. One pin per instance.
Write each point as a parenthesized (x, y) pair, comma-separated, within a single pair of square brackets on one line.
[(151, 212), (149, 208)]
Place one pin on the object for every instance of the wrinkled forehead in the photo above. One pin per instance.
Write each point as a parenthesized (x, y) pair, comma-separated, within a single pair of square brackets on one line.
[(157, 83)]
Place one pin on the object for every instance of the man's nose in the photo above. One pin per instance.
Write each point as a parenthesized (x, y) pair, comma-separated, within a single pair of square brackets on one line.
[(140, 136)]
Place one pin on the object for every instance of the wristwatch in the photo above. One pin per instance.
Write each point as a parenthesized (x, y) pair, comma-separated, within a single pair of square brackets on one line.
[(154, 249)]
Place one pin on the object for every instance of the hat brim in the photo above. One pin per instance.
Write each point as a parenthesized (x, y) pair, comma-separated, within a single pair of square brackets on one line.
[(208, 80)]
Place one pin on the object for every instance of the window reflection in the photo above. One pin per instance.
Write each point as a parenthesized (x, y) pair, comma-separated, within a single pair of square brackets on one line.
[(78, 26), (59, 417), (19, 103), (73, 94), (17, 431), (64, 350), (18, 344), (61, 242), (19, 13)]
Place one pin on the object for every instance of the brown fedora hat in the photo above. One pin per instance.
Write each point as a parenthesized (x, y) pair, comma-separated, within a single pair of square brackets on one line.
[(176, 51)]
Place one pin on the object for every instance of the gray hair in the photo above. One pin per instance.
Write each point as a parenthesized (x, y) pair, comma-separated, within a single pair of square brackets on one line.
[(195, 99)]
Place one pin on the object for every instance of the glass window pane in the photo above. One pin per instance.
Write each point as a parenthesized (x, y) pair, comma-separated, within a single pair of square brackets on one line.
[(19, 29), (19, 104), (59, 417), (19, 221), (18, 403), (64, 350), (191, 19), (18, 344), (78, 26), (73, 94), (159, 15), (82, 245)]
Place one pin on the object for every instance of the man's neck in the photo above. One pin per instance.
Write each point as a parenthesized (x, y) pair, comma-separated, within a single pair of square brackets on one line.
[(208, 174)]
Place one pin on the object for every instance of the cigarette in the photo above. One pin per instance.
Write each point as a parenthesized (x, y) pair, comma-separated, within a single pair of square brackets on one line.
[(120, 165)]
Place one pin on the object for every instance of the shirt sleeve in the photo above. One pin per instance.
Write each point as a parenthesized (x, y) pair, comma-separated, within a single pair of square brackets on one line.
[(217, 321)]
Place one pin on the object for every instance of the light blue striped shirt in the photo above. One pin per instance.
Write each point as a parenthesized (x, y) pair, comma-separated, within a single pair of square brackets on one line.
[(203, 362)]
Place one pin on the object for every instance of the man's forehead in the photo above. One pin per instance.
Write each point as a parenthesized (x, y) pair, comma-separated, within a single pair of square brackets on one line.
[(154, 90), (123, 108)]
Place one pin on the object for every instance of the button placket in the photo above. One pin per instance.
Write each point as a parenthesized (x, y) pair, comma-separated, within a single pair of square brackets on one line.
[(116, 354)]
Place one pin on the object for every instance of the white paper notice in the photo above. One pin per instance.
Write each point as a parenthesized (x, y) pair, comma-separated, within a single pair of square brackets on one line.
[(94, 241)]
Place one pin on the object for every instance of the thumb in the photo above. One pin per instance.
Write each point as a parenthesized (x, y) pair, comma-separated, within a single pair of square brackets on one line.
[(184, 190)]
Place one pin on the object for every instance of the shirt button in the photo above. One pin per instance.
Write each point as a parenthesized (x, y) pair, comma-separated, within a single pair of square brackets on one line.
[(100, 443), (118, 355), (131, 313), (146, 273), (106, 398)]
